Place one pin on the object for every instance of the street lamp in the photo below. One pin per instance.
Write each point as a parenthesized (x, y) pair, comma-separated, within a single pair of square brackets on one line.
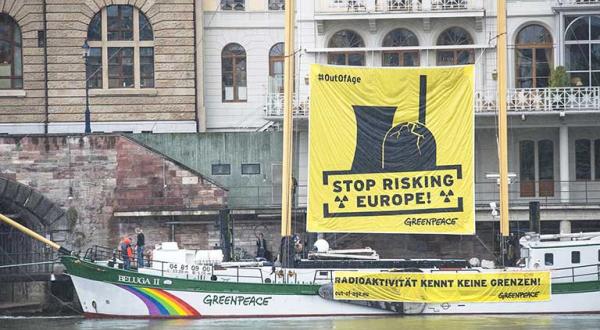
[(86, 54)]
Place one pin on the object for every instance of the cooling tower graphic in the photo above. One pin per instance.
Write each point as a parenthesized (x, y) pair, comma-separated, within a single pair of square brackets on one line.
[(382, 147), (394, 168)]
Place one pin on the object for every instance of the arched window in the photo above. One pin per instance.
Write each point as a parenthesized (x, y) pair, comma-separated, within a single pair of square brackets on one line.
[(233, 71), (534, 57), (276, 4), (126, 45), (582, 50), (400, 38), (11, 57), (276, 58), (346, 39), (233, 4), (455, 36)]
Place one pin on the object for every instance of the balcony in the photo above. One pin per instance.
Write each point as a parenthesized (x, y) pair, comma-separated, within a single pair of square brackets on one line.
[(563, 3), (577, 99), (274, 107), (533, 100), (403, 7)]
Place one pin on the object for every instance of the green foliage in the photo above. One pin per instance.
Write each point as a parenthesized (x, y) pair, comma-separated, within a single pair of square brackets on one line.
[(559, 77)]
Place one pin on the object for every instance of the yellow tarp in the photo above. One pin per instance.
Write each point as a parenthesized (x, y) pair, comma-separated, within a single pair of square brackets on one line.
[(391, 150), (443, 287)]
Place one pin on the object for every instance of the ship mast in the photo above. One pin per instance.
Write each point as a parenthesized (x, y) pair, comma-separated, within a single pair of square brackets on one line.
[(502, 120), (288, 85)]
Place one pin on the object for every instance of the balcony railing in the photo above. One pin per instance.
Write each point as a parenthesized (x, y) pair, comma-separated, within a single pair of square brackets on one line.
[(274, 106), (542, 99), (519, 100), (392, 6), (577, 2), (547, 192)]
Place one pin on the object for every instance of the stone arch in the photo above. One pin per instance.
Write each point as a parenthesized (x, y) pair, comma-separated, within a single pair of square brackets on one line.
[(34, 208)]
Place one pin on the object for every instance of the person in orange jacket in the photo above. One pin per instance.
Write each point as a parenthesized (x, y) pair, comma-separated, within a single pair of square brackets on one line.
[(126, 252)]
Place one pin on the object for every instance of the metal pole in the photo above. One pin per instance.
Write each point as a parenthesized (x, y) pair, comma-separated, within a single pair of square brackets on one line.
[(88, 126), (286, 179), (502, 120)]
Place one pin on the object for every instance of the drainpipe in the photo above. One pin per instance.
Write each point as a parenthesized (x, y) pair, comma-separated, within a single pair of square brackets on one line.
[(200, 115), (195, 69), (46, 111)]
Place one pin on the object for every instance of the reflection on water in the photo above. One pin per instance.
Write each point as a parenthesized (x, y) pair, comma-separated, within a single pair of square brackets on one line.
[(513, 322)]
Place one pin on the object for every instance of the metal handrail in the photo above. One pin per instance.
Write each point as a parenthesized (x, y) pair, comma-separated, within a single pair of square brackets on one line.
[(573, 275)]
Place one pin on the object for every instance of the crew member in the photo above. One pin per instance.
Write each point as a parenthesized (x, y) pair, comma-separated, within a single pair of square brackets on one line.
[(261, 246), (139, 250)]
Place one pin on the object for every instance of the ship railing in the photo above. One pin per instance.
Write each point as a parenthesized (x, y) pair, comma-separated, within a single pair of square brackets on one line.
[(98, 252), (576, 274), (203, 271)]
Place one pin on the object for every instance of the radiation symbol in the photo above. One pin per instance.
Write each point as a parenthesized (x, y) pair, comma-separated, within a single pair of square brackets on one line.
[(446, 195), (341, 201)]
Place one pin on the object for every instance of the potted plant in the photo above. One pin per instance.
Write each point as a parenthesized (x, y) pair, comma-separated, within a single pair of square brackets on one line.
[(559, 77)]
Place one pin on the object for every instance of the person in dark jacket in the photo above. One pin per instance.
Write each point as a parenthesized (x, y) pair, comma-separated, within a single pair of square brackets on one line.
[(261, 246), (140, 242)]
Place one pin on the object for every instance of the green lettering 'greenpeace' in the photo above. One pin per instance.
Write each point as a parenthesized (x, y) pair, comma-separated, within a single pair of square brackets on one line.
[(236, 300)]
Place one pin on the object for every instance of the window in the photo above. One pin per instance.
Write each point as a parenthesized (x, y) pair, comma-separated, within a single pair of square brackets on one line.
[(400, 38), (527, 168), (455, 36), (126, 46), (251, 169), (346, 39), (534, 57), (41, 38), (582, 160), (546, 168), (94, 68), (276, 4), (221, 169), (276, 58), (233, 70), (11, 58), (548, 259), (233, 5), (582, 50), (575, 257), (120, 67)]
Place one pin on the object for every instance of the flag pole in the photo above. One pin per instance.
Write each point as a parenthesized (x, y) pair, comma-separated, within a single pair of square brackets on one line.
[(502, 118), (288, 85)]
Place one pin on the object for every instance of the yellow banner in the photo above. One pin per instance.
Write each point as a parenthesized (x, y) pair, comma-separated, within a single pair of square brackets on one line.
[(443, 287), (391, 150)]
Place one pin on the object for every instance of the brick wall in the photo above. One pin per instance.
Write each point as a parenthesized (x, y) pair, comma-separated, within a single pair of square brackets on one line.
[(91, 177)]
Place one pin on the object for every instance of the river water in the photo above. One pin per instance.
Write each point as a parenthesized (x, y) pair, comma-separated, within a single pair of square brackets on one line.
[(528, 322)]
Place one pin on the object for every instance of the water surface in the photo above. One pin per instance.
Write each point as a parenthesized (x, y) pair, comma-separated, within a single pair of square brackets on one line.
[(529, 322)]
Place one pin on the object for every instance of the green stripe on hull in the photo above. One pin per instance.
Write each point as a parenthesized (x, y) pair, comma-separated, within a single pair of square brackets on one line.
[(576, 287), (95, 272)]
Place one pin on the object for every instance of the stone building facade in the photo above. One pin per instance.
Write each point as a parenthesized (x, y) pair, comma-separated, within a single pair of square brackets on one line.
[(141, 66)]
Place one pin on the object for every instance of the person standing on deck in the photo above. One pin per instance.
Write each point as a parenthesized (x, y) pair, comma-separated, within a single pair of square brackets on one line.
[(140, 242), (261, 246), (123, 247)]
